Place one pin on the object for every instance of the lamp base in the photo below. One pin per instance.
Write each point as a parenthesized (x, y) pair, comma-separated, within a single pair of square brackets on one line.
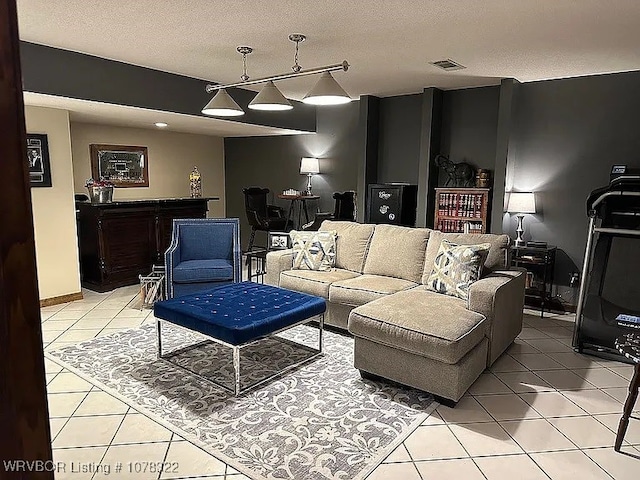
[(308, 191), (519, 232)]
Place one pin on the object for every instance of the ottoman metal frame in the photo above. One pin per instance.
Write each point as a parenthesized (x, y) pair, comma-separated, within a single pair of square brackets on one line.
[(236, 390)]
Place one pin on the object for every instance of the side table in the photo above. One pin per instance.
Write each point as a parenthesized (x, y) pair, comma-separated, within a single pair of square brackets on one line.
[(256, 261), (302, 207), (629, 346), (539, 263)]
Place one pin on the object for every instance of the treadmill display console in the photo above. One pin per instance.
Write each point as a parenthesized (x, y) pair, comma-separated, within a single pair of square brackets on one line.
[(630, 321)]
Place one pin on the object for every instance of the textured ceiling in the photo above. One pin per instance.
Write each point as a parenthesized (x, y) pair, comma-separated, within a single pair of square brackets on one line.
[(388, 43)]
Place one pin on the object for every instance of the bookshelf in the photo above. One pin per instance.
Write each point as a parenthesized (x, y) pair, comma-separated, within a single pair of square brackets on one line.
[(456, 207)]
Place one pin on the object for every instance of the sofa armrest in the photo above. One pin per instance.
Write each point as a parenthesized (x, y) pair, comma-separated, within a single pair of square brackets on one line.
[(278, 261), (500, 298)]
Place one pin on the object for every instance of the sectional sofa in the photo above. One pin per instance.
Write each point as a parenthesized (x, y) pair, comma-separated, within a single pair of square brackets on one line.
[(403, 331)]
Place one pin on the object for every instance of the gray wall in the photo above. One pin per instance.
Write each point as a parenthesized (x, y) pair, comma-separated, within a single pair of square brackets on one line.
[(274, 162), (399, 138), (568, 134), (469, 125)]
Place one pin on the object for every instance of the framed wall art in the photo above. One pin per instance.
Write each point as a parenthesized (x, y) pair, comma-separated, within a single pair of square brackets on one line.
[(279, 241), (122, 165), (38, 160)]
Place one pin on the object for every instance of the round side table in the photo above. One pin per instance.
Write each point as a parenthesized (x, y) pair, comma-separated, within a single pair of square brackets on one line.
[(629, 346)]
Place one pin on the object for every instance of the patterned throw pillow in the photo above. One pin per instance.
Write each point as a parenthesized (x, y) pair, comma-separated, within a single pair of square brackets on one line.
[(456, 267), (313, 250)]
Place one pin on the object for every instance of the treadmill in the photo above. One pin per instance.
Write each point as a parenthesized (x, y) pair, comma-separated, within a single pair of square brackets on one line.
[(610, 284)]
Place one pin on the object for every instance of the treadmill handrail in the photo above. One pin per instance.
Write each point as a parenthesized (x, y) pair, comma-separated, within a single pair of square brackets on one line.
[(619, 231), (601, 198), (623, 178)]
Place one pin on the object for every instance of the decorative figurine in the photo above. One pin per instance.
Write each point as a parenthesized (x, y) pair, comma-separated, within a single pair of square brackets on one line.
[(195, 183), (460, 174)]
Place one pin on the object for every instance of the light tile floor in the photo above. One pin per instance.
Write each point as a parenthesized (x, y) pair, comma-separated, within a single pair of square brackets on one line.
[(542, 411)]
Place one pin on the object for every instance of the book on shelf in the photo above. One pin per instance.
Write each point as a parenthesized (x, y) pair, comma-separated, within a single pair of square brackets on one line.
[(466, 205), (458, 226)]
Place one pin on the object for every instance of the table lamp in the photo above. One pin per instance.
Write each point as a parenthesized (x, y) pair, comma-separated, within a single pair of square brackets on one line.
[(521, 203), (309, 166)]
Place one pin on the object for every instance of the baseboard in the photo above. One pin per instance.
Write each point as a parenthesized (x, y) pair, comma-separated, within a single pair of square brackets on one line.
[(70, 297)]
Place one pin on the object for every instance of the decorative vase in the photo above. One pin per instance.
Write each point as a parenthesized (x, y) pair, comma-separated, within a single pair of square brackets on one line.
[(195, 183), (483, 178)]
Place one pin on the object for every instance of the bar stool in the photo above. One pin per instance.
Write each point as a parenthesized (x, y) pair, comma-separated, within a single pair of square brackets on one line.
[(629, 346)]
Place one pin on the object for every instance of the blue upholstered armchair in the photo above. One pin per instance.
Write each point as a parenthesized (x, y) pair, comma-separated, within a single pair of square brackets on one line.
[(204, 253)]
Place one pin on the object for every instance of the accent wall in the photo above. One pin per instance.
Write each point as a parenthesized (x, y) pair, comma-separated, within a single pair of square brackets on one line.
[(274, 163), (568, 134)]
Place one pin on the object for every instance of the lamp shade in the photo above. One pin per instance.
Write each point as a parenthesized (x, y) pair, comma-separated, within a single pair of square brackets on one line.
[(326, 91), (522, 202), (271, 99), (223, 105), (309, 165)]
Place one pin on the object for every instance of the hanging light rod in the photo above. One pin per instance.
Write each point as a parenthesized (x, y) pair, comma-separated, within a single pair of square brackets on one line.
[(344, 66)]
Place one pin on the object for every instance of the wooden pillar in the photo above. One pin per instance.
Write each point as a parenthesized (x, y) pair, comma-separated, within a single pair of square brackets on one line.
[(24, 418)]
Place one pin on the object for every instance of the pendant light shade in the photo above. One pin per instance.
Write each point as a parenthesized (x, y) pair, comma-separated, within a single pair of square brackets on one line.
[(223, 105), (326, 91), (271, 99)]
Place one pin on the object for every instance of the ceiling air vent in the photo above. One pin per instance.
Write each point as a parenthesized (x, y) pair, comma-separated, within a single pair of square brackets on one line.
[(448, 65)]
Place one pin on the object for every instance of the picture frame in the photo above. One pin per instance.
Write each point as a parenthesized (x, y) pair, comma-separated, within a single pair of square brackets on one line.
[(38, 160), (122, 165), (279, 241)]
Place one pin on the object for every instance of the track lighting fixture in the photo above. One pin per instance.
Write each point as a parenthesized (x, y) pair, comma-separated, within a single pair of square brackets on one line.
[(326, 91)]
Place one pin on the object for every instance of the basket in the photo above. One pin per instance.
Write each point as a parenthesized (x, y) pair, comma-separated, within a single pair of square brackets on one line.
[(101, 194)]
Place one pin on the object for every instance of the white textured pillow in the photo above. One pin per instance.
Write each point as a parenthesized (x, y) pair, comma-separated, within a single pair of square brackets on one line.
[(313, 250), (456, 267)]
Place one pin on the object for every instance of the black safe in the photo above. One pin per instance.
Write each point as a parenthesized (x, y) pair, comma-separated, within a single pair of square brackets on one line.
[(392, 203)]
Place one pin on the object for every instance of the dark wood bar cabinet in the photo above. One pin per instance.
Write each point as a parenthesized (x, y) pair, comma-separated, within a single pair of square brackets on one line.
[(119, 241)]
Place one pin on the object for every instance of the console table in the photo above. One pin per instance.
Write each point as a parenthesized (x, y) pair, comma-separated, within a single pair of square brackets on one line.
[(119, 241)]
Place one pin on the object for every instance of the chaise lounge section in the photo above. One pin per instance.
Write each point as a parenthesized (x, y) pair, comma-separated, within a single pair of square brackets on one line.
[(403, 331)]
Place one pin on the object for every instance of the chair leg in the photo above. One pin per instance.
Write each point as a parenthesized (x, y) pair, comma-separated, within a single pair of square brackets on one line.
[(628, 407), (250, 246), (251, 238)]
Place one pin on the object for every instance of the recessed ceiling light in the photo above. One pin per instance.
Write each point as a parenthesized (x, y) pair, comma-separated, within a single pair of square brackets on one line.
[(161, 124)]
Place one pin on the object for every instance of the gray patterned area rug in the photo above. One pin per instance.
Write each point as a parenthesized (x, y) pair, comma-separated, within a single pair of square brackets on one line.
[(319, 421)]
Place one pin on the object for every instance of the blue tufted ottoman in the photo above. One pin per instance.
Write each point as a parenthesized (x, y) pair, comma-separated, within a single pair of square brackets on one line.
[(239, 314)]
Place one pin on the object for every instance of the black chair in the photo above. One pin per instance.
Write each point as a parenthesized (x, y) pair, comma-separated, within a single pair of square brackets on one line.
[(344, 209), (261, 216)]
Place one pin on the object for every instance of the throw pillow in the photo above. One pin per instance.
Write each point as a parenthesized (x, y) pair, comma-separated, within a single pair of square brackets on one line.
[(313, 250), (456, 267)]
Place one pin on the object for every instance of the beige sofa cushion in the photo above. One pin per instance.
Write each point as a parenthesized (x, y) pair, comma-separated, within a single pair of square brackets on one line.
[(312, 281), (421, 322), (366, 288), (397, 252), (352, 243), (496, 258)]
